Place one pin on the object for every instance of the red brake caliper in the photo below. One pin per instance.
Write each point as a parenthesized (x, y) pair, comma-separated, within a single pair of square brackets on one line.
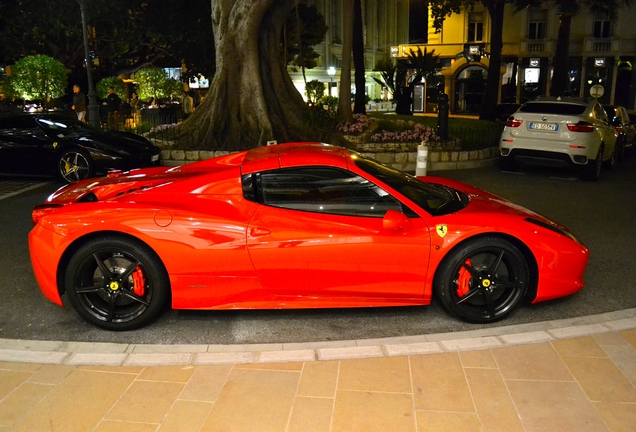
[(139, 283), (463, 280)]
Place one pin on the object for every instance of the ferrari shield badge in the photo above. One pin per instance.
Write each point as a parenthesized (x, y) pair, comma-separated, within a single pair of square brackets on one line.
[(441, 230)]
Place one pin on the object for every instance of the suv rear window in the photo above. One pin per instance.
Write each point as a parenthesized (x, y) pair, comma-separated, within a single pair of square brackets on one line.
[(553, 108)]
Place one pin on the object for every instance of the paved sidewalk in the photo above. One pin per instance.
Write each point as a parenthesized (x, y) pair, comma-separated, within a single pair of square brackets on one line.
[(562, 375)]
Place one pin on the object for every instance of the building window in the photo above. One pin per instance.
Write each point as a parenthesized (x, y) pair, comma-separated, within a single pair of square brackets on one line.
[(475, 27), (602, 28), (536, 30)]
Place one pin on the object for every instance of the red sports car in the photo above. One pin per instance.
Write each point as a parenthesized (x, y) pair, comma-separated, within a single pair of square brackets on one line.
[(298, 225)]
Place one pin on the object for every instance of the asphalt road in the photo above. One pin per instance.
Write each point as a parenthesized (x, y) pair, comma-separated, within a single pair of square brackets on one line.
[(602, 214)]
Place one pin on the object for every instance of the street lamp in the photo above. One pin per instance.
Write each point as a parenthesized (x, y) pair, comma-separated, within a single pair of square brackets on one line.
[(331, 72), (93, 109)]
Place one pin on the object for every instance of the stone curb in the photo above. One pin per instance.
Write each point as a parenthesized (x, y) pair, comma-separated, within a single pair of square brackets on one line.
[(112, 354), (400, 159)]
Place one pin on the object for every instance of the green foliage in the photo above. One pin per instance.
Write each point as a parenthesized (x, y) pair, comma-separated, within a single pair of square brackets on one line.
[(123, 34), (387, 69), (153, 83), (304, 28), (116, 83), (330, 104), (315, 90), (37, 77)]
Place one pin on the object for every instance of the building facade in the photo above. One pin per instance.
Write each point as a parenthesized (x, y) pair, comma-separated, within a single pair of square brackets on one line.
[(601, 52), (385, 23)]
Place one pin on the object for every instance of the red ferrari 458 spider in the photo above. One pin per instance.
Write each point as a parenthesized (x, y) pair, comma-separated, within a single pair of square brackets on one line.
[(298, 225)]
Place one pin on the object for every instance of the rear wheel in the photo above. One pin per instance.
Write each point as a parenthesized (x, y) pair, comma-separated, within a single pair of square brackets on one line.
[(483, 280), (613, 159), (116, 284), (592, 171)]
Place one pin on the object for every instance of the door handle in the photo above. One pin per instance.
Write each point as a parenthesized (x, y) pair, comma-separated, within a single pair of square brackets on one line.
[(259, 232)]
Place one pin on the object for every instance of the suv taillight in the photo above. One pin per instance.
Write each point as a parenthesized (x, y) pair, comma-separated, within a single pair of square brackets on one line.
[(42, 210), (513, 122), (581, 126)]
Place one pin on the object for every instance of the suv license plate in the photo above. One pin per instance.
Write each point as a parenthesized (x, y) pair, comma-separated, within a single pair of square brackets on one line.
[(544, 126)]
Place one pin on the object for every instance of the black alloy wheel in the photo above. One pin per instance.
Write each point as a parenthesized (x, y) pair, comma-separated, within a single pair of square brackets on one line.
[(483, 280), (74, 165), (116, 284)]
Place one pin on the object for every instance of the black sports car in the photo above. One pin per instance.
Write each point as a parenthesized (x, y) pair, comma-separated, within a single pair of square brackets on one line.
[(54, 144)]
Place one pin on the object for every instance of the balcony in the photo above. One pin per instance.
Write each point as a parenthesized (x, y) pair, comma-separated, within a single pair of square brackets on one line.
[(602, 45)]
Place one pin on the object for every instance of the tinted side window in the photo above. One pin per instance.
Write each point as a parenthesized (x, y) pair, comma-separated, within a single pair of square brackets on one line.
[(17, 123), (553, 108), (319, 190)]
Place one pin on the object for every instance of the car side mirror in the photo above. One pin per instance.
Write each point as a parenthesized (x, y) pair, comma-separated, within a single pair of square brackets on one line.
[(395, 220)]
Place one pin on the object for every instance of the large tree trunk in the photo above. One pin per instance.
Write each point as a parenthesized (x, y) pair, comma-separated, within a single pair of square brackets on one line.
[(251, 99), (493, 82), (560, 81)]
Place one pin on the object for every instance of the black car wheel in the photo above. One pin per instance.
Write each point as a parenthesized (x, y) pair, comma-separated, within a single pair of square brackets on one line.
[(483, 280), (74, 165), (592, 171), (116, 284), (613, 159)]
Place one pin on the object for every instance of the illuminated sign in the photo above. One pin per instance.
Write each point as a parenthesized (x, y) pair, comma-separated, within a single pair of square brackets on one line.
[(532, 75), (599, 62), (534, 62), (395, 51)]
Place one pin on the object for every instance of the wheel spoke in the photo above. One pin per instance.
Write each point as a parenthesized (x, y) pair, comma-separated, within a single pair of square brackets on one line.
[(468, 295), (90, 289), (129, 270), (490, 306), (105, 270), (111, 308), (136, 298), (493, 268), (473, 272)]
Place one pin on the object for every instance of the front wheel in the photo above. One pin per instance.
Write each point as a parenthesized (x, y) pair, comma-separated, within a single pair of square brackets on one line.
[(74, 165), (483, 280), (116, 284)]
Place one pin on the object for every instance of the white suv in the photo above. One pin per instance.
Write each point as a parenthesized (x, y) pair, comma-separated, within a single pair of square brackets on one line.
[(559, 132)]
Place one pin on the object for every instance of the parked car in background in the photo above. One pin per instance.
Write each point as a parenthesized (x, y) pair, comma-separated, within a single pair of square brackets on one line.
[(559, 132), (625, 129), (49, 144)]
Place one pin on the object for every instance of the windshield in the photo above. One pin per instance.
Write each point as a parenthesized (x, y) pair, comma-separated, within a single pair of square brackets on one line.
[(61, 126), (435, 199), (553, 108)]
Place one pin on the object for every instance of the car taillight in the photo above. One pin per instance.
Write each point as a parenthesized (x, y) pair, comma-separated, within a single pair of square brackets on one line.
[(581, 126), (42, 210), (619, 129), (513, 122)]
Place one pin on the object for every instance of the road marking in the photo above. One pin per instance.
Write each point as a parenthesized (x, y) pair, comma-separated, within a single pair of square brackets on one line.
[(9, 188)]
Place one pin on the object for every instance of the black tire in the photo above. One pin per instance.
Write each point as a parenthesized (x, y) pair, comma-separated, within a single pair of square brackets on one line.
[(116, 284), (592, 171), (613, 159), (74, 165), (483, 280), (508, 164)]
